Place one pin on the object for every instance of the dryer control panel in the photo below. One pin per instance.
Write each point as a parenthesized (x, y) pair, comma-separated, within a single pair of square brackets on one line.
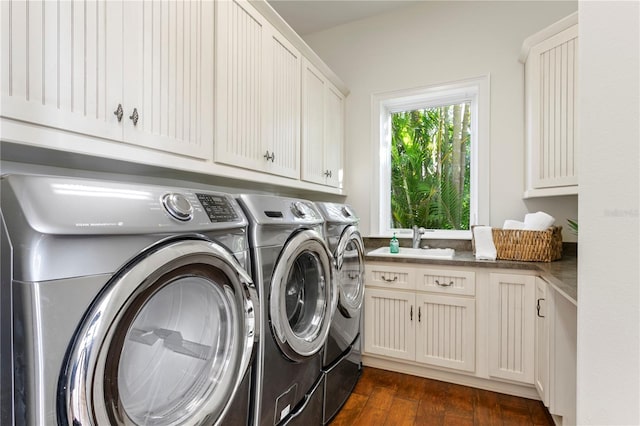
[(218, 208), (75, 206)]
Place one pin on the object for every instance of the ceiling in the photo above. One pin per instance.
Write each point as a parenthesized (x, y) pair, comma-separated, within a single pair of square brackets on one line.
[(309, 16)]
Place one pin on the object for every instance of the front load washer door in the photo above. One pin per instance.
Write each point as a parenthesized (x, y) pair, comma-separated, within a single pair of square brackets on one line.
[(167, 342), (349, 257), (300, 302)]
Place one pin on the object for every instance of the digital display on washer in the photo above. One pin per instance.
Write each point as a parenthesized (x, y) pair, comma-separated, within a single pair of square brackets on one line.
[(217, 208)]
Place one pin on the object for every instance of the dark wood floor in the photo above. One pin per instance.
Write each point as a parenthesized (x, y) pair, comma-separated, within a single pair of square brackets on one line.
[(387, 398)]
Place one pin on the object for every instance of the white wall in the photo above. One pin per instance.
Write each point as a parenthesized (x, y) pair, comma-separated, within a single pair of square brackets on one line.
[(436, 42), (608, 272)]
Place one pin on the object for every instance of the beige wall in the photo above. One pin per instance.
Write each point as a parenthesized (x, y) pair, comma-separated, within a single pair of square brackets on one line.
[(436, 42)]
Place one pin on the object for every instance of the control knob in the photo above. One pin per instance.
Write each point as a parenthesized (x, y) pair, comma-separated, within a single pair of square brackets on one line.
[(299, 209), (178, 206)]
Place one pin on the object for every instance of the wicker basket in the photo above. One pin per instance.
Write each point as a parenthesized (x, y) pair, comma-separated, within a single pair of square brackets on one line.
[(528, 246)]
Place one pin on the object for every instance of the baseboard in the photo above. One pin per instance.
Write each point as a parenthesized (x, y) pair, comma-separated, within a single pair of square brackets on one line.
[(523, 391)]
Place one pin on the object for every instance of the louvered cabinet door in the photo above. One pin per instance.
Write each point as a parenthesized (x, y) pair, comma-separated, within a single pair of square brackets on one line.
[(334, 135), (169, 75), (62, 64), (240, 80), (542, 321), (552, 111), (389, 323), (512, 327), (445, 334), (313, 124), (282, 106)]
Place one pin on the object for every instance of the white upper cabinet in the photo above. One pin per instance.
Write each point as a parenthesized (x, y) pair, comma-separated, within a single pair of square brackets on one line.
[(169, 75), (322, 128), (551, 93), (62, 64), (258, 93), (138, 72)]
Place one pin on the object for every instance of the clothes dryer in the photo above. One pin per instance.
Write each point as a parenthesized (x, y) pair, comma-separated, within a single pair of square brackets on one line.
[(124, 304), (292, 269), (342, 357)]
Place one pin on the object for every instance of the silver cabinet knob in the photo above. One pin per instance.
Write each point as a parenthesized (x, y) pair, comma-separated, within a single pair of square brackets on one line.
[(135, 116), (270, 157), (119, 112)]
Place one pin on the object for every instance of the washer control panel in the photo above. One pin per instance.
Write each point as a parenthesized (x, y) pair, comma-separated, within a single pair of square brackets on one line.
[(218, 208), (178, 206)]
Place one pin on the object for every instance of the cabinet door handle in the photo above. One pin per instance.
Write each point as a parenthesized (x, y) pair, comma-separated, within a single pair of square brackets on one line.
[(271, 156), (538, 308), (119, 112), (419, 314), (327, 173), (444, 284), (389, 280), (135, 116), (411, 313)]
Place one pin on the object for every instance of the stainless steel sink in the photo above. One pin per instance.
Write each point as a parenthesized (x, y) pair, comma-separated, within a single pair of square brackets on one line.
[(415, 253)]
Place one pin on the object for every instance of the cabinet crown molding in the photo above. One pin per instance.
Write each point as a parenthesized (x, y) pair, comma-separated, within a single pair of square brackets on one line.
[(545, 33)]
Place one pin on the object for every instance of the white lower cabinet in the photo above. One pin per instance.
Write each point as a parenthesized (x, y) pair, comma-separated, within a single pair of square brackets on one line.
[(445, 334), (402, 321), (541, 379), (507, 332), (389, 327), (511, 327), (559, 358)]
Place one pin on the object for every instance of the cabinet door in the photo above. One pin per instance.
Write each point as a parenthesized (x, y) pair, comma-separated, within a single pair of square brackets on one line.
[(552, 94), (239, 85), (282, 106), (445, 333), (334, 135), (313, 124), (563, 343), (542, 341), (511, 327), (62, 64), (389, 323), (169, 75)]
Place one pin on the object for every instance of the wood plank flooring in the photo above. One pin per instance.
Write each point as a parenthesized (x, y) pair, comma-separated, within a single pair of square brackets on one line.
[(387, 398)]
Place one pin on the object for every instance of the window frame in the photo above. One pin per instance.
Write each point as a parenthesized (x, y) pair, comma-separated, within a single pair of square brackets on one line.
[(475, 90)]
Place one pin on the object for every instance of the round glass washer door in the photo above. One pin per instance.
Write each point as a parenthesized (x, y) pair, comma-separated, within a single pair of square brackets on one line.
[(301, 305), (167, 343), (349, 256)]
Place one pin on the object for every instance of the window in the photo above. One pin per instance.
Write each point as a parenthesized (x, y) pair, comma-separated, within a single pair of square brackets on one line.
[(433, 159)]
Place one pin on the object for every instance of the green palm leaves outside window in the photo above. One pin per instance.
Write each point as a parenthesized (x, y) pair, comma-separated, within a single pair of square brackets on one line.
[(430, 167)]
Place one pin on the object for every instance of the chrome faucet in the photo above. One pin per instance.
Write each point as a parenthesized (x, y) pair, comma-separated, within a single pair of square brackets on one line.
[(417, 235)]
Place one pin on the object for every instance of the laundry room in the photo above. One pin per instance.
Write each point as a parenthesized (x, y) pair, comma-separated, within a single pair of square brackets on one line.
[(319, 212)]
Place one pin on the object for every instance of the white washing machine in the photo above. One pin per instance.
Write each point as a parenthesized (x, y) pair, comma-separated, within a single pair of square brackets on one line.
[(343, 355), (293, 273), (124, 304)]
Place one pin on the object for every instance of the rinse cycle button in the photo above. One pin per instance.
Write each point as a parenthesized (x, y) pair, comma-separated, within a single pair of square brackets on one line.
[(178, 206)]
